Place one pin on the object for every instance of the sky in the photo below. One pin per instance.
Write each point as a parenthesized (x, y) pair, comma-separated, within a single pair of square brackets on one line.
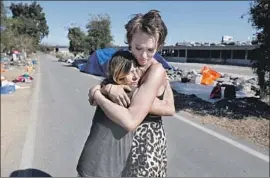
[(197, 21)]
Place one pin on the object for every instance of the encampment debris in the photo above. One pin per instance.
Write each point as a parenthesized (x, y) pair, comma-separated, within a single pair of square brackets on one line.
[(23, 78)]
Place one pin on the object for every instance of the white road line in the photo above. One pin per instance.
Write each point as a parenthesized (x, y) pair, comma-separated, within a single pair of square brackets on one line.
[(29, 144), (226, 139), (219, 136), (26, 87)]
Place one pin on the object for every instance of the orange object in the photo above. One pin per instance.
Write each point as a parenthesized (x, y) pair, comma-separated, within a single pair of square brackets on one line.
[(3, 68), (209, 76), (29, 69)]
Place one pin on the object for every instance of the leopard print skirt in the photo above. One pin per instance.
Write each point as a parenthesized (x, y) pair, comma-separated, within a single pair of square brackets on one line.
[(148, 156)]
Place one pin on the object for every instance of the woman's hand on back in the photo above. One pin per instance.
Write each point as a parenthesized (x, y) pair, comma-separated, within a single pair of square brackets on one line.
[(117, 94), (91, 94)]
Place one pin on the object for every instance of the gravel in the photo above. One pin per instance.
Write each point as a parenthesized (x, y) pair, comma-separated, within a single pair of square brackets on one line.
[(244, 117), (247, 85)]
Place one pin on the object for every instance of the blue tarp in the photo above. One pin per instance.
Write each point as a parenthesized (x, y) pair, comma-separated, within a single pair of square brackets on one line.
[(161, 60), (7, 89), (97, 62)]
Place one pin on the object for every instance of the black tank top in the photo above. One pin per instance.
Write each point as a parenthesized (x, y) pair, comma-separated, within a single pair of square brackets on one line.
[(152, 117)]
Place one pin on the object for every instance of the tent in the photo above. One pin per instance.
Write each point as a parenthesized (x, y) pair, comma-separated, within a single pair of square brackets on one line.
[(97, 62)]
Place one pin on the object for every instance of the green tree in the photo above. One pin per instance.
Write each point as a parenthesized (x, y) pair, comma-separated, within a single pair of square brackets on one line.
[(8, 36), (260, 18), (24, 43), (45, 48), (3, 25), (76, 40), (30, 20), (11, 39), (99, 31), (3, 14)]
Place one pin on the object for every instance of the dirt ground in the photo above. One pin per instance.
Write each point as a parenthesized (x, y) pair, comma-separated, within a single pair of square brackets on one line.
[(15, 112), (243, 123)]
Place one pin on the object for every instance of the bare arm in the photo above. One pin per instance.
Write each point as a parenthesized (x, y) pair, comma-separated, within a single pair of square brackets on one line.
[(131, 117), (163, 107), (166, 106), (117, 93)]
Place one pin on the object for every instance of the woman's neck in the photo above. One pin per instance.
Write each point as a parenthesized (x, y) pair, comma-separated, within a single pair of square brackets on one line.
[(144, 68)]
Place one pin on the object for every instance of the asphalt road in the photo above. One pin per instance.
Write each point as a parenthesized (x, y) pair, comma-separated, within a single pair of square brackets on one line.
[(63, 119)]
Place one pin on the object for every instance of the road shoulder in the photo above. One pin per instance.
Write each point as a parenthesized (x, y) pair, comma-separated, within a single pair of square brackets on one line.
[(16, 109)]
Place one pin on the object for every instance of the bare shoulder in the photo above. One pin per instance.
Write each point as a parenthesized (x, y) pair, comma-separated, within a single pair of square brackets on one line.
[(155, 72), (157, 69), (157, 66)]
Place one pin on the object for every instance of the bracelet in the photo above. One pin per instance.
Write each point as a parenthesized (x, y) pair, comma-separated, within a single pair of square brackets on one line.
[(92, 100)]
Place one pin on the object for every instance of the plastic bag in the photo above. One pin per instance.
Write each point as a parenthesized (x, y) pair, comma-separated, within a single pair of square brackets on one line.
[(209, 76)]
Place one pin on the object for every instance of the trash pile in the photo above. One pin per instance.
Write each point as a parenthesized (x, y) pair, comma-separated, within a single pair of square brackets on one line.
[(7, 65), (216, 84), (23, 78), (8, 87), (239, 108), (208, 92)]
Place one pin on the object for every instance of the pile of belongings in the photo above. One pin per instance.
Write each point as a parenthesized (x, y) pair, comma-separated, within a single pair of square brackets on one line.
[(23, 78), (7, 87), (229, 92)]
